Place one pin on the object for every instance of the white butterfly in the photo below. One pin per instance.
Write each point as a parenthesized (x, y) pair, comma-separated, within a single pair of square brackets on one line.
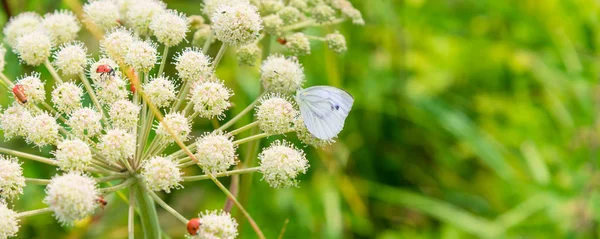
[(324, 110)]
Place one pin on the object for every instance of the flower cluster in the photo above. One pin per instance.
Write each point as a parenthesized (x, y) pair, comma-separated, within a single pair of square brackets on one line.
[(111, 123)]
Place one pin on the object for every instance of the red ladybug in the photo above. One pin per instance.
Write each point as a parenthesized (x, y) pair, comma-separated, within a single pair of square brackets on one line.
[(19, 93), (193, 226), (105, 69)]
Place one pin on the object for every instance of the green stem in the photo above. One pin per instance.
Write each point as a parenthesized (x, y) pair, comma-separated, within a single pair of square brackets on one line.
[(219, 55), (251, 138), (9, 83), (92, 94), (34, 212), (118, 187), (309, 23), (223, 174), (163, 61), (243, 128), (182, 94), (111, 177), (27, 156), (168, 208), (131, 215), (241, 114), (147, 212), (208, 42), (37, 181), (53, 71)]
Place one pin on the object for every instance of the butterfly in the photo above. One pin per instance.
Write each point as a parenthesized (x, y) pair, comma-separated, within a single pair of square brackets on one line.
[(324, 110)]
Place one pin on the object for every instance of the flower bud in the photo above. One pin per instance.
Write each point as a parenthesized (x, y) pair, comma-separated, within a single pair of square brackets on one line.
[(273, 25), (270, 6), (289, 15), (281, 163), (248, 54), (323, 13), (336, 42)]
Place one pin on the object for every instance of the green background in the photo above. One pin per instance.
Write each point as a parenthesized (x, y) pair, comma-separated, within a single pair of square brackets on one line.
[(472, 119)]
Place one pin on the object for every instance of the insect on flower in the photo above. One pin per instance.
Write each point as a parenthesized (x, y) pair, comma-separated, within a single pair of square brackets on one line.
[(193, 226), (19, 93), (281, 40), (101, 201), (105, 69)]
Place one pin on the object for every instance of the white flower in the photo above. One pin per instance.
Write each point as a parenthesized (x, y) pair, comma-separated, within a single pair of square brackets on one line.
[(103, 13), (85, 123), (9, 225), (14, 121), (12, 180), (42, 130), (323, 13), (169, 27), (289, 15), (73, 155), (282, 75), (67, 97), (217, 224), (275, 115), (140, 13), (192, 65), (209, 7), (33, 87), (110, 90), (116, 44), (210, 99), (141, 55), (19, 25), (273, 25), (178, 124), (161, 173), (215, 152), (124, 114), (117, 145), (236, 24), (62, 25), (71, 58), (33, 48), (281, 163), (161, 91), (72, 197), (298, 44), (336, 42)]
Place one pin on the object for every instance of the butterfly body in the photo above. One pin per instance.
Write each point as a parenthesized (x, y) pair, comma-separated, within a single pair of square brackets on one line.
[(324, 110)]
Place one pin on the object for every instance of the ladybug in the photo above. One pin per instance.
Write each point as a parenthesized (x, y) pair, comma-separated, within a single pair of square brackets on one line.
[(281, 41), (105, 69), (19, 93), (101, 201), (193, 226)]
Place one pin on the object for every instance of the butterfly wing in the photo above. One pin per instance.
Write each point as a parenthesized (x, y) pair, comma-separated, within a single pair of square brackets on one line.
[(324, 110)]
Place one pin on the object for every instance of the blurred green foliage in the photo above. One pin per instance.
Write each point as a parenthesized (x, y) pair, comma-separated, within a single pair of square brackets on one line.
[(473, 119)]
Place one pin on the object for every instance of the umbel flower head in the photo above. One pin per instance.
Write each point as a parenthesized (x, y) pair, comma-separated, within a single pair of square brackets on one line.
[(71, 58), (281, 75), (140, 14), (33, 87), (124, 114), (33, 48), (178, 124), (141, 55), (161, 91), (236, 24), (210, 99), (161, 173), (62, 26), (73, 155), (281, 163), (67, 97), (9, 225), (42, 130), (192, 65), (117, 145), (217, 224), (85, 122), (169, 27), (11, 178), (19, 25), (215, 152), (275, 115), (14, 121), (71, 197), (116, 44), (102, 13)]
